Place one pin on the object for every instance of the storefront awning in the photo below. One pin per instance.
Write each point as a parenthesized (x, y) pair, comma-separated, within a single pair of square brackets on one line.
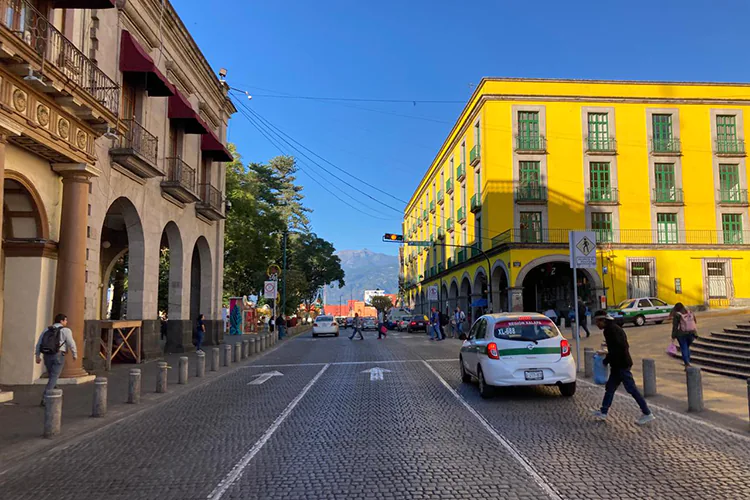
[(83, 4), (212, 148), (182, 111), (135, 59)]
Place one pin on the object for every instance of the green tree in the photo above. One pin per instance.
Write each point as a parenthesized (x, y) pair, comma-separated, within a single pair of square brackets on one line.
[(314, 258), (381, 303)]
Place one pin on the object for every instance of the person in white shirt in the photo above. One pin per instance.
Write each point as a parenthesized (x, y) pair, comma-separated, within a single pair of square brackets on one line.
[(54, 343)]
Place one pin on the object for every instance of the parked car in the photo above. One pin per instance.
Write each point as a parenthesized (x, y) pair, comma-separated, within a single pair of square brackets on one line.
[(341, 321), (418, 323), (370, 323), (510, 349), (349, 322), (325, 325), (641, 310), (403, 324)]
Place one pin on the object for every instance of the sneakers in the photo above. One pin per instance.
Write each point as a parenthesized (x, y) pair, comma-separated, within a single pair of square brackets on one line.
[(598, 415), (645, 419)]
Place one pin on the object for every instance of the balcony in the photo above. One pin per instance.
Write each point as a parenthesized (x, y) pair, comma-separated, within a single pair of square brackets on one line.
[(461, 215), (180, 181), (474, 156), (733, 197), (461, 256), (419, 222), (730, 147), (475, 204), (440, 197), (531, 144), (433, 271), (424, 215), (432, 206), (449, 186), (532, 194), (211, 203), (461, 173), (137, 151), (668, 196), (634, 237), (598, 145), (602, 196), (29, 41), (450, 263), (449, 224), (668, 147), (440, 267), (441, 233)]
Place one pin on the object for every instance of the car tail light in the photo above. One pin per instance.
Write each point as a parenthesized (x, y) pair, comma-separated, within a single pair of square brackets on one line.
[(492, 351), (413, 323), (315, 324), (564, 348)]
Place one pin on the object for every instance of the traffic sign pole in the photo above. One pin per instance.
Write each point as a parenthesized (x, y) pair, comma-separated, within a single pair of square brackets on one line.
[(578, 325)]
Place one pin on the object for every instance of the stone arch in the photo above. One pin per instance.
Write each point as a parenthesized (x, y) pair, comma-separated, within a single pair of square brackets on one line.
[(172, 239), (421, 302), (200, 280), (479, 290), (29, 200), (546, 259), (548, 282), (453, 294), (464, 293), (499, 280), (444, 296)]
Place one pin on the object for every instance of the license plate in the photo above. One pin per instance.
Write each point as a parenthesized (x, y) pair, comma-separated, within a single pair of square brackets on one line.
[(534, 374)]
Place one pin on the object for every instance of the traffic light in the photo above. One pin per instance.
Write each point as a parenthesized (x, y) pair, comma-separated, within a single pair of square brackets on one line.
[(393, 237)]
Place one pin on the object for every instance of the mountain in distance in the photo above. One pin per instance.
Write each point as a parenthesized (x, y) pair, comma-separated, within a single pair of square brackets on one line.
[(364, 270)]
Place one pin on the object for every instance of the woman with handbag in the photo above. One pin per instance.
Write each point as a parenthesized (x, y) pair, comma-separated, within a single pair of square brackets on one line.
[(684, 330)]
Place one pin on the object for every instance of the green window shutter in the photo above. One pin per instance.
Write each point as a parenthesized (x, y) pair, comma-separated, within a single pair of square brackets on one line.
[(665, 184), (529, 173), (666, 228), (599, 181), (662, 125), (601, 223), (528, 130), (726, 128), (598, 131), (531, 227), (729, 183), (731, 225)]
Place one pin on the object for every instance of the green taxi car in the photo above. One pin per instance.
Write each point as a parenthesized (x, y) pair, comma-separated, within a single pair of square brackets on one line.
[(641, 310)]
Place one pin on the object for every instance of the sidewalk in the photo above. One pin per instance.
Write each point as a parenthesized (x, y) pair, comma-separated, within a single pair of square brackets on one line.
[(21, 421), (725, 398)]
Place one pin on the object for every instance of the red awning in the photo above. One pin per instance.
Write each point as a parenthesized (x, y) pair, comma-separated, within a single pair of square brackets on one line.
[(134, 59), (182, 111), (83, 4), (213, 148)]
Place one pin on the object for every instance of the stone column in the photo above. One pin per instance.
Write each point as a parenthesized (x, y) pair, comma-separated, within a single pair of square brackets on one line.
[(516, 299), (71, 260)]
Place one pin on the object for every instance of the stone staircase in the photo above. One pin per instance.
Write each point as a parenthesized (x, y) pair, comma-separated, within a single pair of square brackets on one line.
[(726, 353)]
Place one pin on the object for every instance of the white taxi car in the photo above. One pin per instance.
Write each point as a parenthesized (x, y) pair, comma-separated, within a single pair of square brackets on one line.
[(510, 349), (325, 325)]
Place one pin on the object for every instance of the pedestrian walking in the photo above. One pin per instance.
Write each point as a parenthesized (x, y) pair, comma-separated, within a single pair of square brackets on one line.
[(443, 323), (55, 342), (357, 325), (459, 317), (619, 361), (382, 330), (582, 318), (684, 330), (200, 333), (270, 323), (281, 324), (434, 325), (452, 322)]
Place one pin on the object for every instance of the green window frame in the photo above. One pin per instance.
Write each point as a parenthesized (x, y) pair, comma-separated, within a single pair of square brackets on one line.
[(662, 127), (726, 128), (601, 224), (529, 173), (731, 225), (531, 227), (666, 228), (599, 181), (665, 182), (729, 182), (528, 130), (598, 131)]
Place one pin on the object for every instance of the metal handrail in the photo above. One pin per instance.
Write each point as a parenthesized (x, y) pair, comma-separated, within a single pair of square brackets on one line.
[(180, 173), (140, 140), (210, 196)]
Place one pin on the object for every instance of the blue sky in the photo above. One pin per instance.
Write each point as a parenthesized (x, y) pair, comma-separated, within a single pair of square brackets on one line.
[(431, 50)]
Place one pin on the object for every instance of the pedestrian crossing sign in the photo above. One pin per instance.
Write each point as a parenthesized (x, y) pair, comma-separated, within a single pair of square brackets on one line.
[(583, 249)]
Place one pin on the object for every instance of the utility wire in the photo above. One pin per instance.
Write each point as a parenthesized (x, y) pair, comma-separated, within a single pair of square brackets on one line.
[(350, 99)]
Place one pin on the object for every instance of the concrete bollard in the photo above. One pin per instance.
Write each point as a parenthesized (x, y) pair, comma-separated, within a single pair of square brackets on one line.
[(588, 362), (183, 373), (649, 378), (134, 386), (253, 346), (694, 389), (263, 342), (161, 377), (245, 347), (227, 355), (237, 352), (99, 408), (52, 412), (200, 365), (215, 354)]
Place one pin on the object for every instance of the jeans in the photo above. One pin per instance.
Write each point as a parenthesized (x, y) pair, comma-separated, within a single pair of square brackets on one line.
[(584, 326), (357, 331), (625, 377), (685, 342), (435, 332), (198, 341), (54, 364), (460, 327)]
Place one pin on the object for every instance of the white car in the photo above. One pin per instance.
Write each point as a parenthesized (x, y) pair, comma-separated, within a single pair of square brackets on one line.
[(325, 325), (511, 349)]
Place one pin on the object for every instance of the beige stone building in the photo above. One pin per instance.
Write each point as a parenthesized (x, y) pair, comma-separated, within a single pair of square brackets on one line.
[(112, 128)]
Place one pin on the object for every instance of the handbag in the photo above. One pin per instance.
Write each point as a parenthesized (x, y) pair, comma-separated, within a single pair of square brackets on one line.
[(673, 350), (383, 330)]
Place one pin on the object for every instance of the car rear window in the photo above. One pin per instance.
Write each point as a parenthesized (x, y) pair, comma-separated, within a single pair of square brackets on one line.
[(528, 330), (325, 318)]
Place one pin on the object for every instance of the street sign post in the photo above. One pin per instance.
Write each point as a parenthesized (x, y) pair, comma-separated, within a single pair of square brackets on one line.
[(582, 255), (432, 293)]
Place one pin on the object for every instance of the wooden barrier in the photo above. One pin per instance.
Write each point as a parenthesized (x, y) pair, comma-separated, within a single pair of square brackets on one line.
[(130, 334)]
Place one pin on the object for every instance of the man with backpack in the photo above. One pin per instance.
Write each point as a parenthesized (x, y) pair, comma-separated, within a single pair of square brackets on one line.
[(459, 317), (54, 344)]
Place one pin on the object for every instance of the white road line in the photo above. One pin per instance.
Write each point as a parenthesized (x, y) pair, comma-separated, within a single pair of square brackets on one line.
[(677, 414), (239, 468), (546, 487), (345, 363)]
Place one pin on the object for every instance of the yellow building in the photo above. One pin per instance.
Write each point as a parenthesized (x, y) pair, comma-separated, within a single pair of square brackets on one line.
[(657, 170)]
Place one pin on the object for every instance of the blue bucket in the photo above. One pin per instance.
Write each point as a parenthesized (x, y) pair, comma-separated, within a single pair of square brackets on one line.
[(601, 372)]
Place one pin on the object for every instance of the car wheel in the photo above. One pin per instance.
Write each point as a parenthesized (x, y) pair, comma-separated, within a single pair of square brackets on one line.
[(408, 330), (568, 390), (639, 320), (485, 390), (315, 334), (465, 377), (336, 334)]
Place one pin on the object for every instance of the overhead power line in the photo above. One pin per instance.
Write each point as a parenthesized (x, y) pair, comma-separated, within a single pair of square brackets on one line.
[(281, 95)]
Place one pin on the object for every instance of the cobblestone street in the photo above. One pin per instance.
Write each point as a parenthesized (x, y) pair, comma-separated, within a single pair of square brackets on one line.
[(332, 427)]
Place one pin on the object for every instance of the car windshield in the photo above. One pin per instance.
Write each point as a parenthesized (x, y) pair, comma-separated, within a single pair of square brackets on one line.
[(325, 318), (624, 304), (530, 330)]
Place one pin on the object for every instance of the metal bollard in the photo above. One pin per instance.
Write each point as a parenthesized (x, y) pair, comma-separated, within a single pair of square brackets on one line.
[(161, 377), (215, 354), (588, 362), (649, 378), (134, 386), (200, 365), (263, 342), (245, 347), (52, 412), (100, 397), (183, 373), (227, 355), (237, 352), (253, 346), (694, 389)]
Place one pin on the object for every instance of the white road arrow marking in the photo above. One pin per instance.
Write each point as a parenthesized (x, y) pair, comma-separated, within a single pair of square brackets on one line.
[(263, 377), (376, 373)]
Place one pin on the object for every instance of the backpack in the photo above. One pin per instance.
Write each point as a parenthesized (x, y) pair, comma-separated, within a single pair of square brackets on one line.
[(51, 340), (687, 322)]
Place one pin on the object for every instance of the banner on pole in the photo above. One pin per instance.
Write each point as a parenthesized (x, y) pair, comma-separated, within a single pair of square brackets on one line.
[(583, 249), (270, 289), (432, 293)]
